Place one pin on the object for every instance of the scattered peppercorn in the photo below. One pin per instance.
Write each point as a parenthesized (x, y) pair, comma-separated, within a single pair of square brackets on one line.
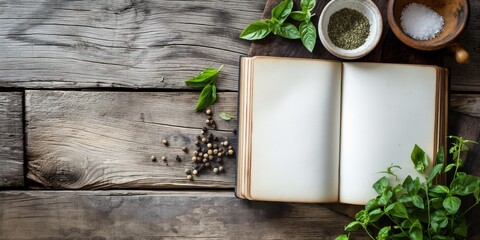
[(153, 158), (204, 140), (210, 152), (190, 177), (196, 142), (178, 159), (164, 158), (194, 159), (230, 147), (230, 152), (208, 112), (220, 168), (215, 170), (194, 172), (188, 171), (184, 149), (235, 131), (165, 142), (209, 145)]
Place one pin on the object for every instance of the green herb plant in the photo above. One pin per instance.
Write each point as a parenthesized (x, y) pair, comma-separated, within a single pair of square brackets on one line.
[(277, 25), (207, 80), (420, 209)]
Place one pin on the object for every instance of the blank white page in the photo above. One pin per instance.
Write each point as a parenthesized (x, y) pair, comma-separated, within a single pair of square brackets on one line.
[(386, 110), (296, 128)]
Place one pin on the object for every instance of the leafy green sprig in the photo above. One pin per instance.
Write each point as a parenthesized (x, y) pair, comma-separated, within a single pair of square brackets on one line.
[(277, 25), (421, 209), (207, 80)]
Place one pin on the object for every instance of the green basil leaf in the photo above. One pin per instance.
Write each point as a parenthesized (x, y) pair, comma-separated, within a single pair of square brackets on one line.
[(440, 156), (256, 30), (437, 202), (437, 169), (288, 30), (214, 94), (353, 226), (449, 167), (439, 220), (298, 15), (225, 116), (282, 10), (464, 185), (401, 235), (419, 159), (308, 5), (452, 204), (342, 237), (372, 204), (418, 201), (206, 97), (386, 196), (383, 233), (381, 185), (439, 189), (416, 231), (202, 79), (361, 215), (308, 34), (375, 215), (408, 184), (399, 210), (461, 230)]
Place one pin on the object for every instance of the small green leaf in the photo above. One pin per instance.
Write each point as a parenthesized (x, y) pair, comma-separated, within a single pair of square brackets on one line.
[(439, 189), (452, 204), (416, 231), (342, 237), (361, 215), (282, 10), (375, 215), (256, 30), (419, 159), (225, 116), (440, 158), (437, 202), (408, 184), (381, 185), (383, 233), (461, 229), (206, 97), (298, 15), (288, 30), (353, 226), (308, 34), (397, 209), (439, 220), (464, 185), (386, 196), (449, 167), (437, 169), (308, 5), (202, 79), (418, 201)]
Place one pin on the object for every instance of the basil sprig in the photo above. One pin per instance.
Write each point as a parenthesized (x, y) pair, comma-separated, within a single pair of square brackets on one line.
[(277, 25), (206, 80)]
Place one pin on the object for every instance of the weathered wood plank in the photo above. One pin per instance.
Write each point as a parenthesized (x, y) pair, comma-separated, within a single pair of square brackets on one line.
[(11, 139), (101, 140), (468, 104), (159, 215), (119, 43)]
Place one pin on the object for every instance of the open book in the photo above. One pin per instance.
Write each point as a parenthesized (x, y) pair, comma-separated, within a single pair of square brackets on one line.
[(314, 130)]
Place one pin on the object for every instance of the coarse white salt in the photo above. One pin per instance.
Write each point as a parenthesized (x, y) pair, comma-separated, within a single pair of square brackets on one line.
[(421, 22)]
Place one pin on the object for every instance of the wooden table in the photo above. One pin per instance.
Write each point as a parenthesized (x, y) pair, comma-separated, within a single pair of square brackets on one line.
[(88, 89)]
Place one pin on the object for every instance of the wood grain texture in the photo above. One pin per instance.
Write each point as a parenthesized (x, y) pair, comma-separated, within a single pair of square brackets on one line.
[(121, 43), (390, 49), (159, 215), (468, 104), (104, 140), (11, 139)]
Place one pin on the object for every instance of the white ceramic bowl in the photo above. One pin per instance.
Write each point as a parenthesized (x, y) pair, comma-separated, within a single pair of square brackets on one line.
[(367, 8)]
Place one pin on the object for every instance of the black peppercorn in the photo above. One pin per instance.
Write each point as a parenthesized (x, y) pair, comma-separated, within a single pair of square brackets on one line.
[(178, 159), (188, 171), (209, 117), (235, 131), (215, 139), (184, 149), (153, 158), (219, 160)]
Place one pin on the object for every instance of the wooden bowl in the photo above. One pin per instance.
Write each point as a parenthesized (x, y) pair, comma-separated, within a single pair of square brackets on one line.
[(455, 14)]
